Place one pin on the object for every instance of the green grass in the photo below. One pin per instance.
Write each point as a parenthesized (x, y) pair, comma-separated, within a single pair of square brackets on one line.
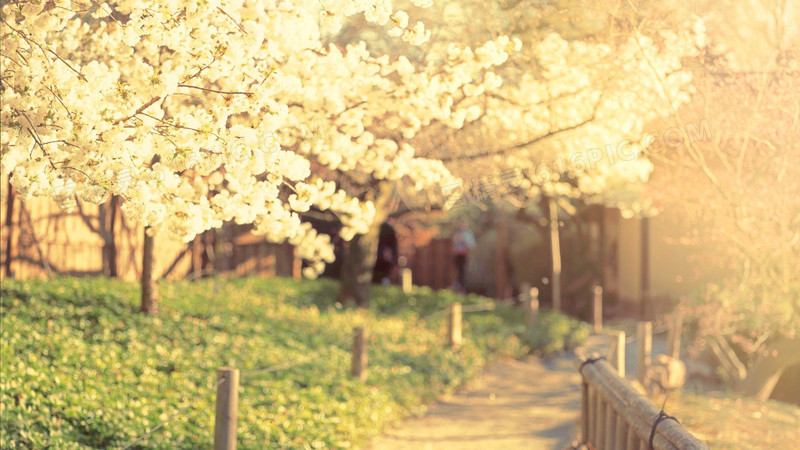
[(81, 368), (724, 421)]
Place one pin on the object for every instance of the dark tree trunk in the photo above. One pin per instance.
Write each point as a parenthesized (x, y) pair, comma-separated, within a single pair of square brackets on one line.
[(359, 260), (110, 245), (149, 285), (779, 355), (10, 230), (555, 251), (501, 279)]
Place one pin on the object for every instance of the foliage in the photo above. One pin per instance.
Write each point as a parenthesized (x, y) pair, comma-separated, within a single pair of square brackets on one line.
[(82, 368), (553, 332)]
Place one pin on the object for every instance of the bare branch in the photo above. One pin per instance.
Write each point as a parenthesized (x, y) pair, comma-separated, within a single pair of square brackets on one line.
[(216, 91), (138, 111), (232, 19)]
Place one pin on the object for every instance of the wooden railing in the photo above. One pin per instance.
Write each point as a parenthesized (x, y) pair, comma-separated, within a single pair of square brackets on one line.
[(615, 416)]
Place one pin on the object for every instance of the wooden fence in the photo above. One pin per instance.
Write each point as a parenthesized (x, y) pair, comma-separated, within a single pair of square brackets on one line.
[(432, 264), (615, 416), (38, 239)]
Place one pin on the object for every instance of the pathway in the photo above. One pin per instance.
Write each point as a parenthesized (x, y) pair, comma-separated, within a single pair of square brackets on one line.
[(529, 404)]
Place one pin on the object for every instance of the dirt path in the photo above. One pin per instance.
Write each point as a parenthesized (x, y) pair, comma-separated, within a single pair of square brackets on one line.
[(530, 404)]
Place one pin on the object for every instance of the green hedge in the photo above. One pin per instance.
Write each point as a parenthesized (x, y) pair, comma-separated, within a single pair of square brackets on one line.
[(81, 368)]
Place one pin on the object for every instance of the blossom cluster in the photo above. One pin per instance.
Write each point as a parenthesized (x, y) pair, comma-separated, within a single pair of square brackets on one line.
[(548, 123), (194, 113)]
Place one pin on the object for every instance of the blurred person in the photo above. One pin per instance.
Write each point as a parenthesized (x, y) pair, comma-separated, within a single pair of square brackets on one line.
[(386, 262), (463, 243)]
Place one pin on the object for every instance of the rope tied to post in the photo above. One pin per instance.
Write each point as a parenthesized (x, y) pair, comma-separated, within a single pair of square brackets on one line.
[(662, 416), (589, 361)]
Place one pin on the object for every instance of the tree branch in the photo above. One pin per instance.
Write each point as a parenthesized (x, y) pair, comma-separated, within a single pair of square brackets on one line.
[(216, 91), (138, 111)]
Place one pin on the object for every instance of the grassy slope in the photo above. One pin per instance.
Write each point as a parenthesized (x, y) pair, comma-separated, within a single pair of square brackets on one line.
[(81, 368), (727, 422)]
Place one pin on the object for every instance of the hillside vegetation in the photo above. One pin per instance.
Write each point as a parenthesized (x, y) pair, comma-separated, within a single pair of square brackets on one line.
[(81, 368)]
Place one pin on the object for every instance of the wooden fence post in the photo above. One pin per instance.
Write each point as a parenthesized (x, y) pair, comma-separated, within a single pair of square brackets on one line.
[(297, 266), (359, 362), (597, 308), (532, 306), (618, 351), (405, 277), (524, 293), (584, 410), (600, 421), (227, 409), (631, 439), (621, 433), (454, 331), (644, 337), (674, 338), (592, 419), (611, 427)]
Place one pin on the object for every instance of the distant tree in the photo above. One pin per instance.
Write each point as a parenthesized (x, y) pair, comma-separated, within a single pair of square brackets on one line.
[(735, 184), (567, 123)]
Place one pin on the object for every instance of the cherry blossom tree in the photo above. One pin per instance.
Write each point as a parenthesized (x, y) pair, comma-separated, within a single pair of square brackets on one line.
[(747, 223), (366, 146), (567, 123), (188, 112), (742, 162), (180, 110)]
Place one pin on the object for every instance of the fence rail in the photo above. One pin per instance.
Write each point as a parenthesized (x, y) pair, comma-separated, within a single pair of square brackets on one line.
[(615, 416)]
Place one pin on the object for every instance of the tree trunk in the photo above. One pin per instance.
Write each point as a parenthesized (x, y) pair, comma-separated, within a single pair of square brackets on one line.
[(359, 261), (500, 260), (779, 355), (10, 230), (149, 285), (110, 236), (555, 248)]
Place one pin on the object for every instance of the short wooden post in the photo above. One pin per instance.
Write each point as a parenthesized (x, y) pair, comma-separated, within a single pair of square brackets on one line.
[(454, 331), (597, 308), (405, 279), (532, 306), (644, 337), (297, 267), (674, 338), (359, 363), (618, 351), (524, 292), (227, 409)]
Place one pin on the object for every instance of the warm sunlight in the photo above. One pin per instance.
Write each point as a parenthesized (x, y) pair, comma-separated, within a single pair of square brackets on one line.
[(380, 224)]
